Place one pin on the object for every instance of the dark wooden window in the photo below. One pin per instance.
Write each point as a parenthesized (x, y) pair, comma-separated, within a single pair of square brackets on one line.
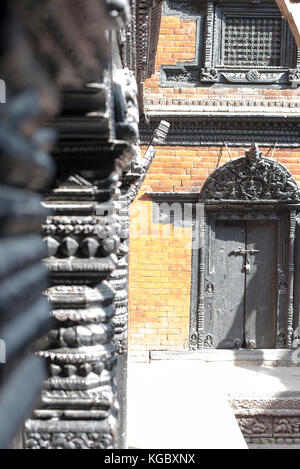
[(243, 42), (252, 42)]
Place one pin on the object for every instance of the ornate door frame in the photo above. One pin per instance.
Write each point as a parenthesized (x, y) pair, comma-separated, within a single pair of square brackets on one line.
[(251, 187)]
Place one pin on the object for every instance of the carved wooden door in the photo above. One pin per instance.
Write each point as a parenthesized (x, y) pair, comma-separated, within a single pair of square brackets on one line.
[(245, 296)]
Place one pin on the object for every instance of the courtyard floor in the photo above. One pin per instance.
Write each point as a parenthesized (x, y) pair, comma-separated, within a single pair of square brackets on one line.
[(180, 400)]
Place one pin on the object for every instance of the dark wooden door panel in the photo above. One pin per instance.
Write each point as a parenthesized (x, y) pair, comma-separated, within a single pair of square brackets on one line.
[(261, 285), (245, 297), (230, 283)]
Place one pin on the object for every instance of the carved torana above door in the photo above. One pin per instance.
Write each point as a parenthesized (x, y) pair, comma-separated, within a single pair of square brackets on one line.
[(252, 177)]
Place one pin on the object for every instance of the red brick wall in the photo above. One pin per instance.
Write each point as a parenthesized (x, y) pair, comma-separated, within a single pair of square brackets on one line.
[(177, 43)]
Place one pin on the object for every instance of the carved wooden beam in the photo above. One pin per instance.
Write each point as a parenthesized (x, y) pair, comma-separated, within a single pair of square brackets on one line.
[(291, 12)]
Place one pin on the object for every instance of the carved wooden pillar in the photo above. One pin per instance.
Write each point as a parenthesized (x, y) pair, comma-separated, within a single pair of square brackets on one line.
[(119, 282), (296, 341), (79, 408), (97, 132), (291, 273), (126, 127), (81, 49)]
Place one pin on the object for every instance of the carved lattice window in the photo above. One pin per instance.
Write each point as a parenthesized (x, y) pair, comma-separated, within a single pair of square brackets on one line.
[(253, 42), (249, 44), (243, 42)]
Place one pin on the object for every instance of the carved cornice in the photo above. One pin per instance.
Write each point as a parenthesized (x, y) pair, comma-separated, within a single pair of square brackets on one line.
[(207, 104), (173, 196), (195, 197), (232, 128)]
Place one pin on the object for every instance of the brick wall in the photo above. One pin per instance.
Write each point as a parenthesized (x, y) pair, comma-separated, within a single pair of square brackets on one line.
[(177, 43), (160, 259)]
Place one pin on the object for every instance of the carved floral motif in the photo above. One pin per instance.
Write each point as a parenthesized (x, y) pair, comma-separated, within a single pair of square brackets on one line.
[(209, 75), (294, 75), (252, 76), (261, 426), (68, 441)]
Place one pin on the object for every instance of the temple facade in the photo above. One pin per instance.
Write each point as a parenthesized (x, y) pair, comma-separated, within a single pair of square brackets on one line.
[(214, 271), (226, 78)]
